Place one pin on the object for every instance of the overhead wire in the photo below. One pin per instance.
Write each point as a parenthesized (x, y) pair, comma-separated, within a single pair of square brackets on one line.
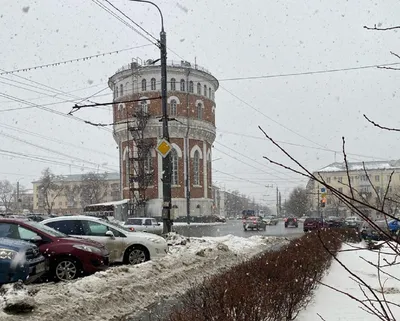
[(64, 62), (98, 3)]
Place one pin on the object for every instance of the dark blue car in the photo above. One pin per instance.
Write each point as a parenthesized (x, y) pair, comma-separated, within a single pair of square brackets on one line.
[(20, 260), (393, 226)]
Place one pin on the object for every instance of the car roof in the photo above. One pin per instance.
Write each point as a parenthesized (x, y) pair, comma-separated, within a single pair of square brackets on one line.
[(73, 217)]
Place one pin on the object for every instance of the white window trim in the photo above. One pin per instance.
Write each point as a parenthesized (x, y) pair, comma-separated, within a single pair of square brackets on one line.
[(194, 148)]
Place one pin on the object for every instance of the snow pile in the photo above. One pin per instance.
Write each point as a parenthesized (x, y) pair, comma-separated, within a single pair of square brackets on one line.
[(332, 305), (15, 299), (122, 290)]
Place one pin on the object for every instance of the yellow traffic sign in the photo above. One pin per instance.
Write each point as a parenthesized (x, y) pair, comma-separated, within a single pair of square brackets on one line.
[(323, 195), (163, 148)]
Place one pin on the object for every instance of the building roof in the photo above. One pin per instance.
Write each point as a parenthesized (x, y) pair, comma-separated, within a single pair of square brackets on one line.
[(359, 166), (79, 177)]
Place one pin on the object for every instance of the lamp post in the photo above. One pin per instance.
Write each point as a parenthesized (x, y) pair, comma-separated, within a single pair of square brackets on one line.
[(166, 162)]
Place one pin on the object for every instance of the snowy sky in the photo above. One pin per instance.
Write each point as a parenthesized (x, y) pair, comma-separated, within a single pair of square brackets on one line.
[(232, 39)]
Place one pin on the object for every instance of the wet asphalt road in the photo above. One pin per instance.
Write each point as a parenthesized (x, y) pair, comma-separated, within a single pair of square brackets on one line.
[(235, 227)]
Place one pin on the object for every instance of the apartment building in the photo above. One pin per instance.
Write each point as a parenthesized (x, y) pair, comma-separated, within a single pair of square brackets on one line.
[(370, 182), (71, 194)]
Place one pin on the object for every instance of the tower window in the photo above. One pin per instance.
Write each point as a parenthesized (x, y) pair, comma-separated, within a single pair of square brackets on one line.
[(198, 89), (196, 168), (173, 108), (182, 85), (153, 84), (199, 111), (191, 86), (121, 89), (144, 85), (173, 84), (174, 162), (205, 90)]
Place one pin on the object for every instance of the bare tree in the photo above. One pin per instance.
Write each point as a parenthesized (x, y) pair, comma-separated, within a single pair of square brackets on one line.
[(93, 188), (72, 193), (50, 188), (299, 202), (7, 195)]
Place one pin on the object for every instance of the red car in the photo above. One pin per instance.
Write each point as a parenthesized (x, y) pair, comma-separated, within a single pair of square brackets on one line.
[(313, 223), (68, 257)]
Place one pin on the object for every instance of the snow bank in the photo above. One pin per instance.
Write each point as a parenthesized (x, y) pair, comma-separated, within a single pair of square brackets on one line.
[(334, 306), (122, 290)]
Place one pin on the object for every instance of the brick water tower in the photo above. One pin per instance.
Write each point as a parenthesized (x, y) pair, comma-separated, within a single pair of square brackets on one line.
[(137, 130)]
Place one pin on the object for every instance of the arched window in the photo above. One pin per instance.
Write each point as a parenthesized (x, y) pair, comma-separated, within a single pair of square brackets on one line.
[(191, 86), (198, 89), (173, 84), (153, 84), (144, 85), (209, 92), (182, 85), (199, 111), (173, 108), (143, 105), (196, 168), (121, 89), (205, 90), (174, 162), (116, 91), (148, 163)]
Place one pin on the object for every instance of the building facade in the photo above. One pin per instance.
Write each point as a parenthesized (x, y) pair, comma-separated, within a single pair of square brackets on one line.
[(70, 194), (370, 182), (137, 131)]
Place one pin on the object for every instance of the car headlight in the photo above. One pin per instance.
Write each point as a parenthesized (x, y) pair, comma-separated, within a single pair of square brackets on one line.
[(87, 248), (154, 240), (6, 254)]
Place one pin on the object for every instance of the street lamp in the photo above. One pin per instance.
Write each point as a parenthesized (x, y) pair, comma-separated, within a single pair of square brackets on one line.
[(166, 161)]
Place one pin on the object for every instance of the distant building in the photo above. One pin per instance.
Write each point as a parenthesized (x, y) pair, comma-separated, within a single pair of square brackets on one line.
[(369, 184), (26, 200), (71, 198)]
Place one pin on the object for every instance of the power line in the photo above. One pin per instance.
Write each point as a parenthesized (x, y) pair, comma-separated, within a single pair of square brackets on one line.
[(121, 20), (50, 150), (136, 24), (64, 62), (32, 105), (299, 145), (40, 159), (54, 140), (304, 73), (239, 178)]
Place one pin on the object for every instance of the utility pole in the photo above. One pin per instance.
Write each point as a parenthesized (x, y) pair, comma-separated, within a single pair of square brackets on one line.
[(17, 205), (187, 145), (166, 161), (277, 201), (319, 214)]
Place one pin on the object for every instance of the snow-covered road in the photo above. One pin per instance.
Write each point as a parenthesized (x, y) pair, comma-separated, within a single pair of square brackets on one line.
[(122, 290)]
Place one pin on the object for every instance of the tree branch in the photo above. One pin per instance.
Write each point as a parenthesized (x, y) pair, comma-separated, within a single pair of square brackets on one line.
[(380, 126), (381, 29)]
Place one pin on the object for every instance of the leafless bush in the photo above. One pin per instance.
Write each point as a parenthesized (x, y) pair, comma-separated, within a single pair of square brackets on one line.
[(272, 287)]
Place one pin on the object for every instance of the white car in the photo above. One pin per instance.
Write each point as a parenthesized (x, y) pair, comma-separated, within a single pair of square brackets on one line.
[(124, 246), (143, 224)]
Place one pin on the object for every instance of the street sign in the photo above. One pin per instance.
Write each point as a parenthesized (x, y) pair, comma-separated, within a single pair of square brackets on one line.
[(323, 195), (323, 189), (163, 148)]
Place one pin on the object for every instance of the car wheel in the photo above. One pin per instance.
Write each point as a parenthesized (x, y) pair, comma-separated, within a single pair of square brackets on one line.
[(66, 269), (136, 255), (245, 229)]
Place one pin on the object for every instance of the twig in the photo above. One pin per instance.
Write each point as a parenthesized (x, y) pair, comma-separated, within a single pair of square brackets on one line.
[(381, 29), (347, 166), (380, 126), (321, 317)]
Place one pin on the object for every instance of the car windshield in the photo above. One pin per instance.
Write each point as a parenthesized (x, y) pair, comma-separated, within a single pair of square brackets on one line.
[(46, 229)]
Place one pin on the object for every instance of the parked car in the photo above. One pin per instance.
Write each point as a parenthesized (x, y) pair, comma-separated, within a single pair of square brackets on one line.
[(353, 221), (143, 224), (254, 223), (394, 226), (124, 245), (68, 257), (313, 223), (373, 233), (271, 220), (291, 221), (334, 221), (20, 260), (37, 217)]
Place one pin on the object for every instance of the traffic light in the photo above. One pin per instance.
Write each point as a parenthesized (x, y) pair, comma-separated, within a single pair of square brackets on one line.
[(323, 201)]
